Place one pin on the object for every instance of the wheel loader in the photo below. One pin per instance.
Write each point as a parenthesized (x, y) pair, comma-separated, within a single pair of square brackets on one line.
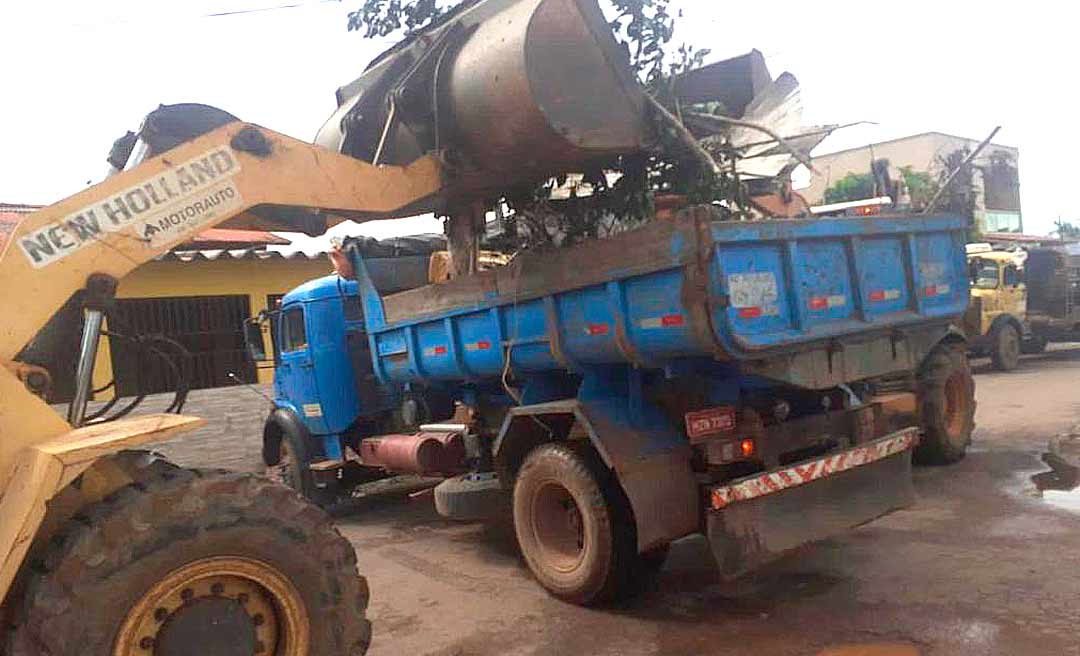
[(109, 549)]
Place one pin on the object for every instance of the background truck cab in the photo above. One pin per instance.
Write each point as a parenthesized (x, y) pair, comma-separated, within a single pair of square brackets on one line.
[(996, 320), (1021, 301)]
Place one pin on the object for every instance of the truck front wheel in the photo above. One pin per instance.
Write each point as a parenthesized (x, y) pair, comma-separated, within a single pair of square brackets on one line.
[(194, 562), (946, 396), (574, 524), (287, 458), (1005, 350)]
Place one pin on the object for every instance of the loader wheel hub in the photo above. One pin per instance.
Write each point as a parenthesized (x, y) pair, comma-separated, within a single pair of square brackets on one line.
[(220, 607)]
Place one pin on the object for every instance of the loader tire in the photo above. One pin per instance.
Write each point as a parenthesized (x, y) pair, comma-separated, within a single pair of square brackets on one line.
[(194, 562), (1005, 348), (946, 397), (574, 525)]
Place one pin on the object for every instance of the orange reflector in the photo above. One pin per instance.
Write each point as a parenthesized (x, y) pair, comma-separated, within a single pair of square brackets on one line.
[(747, 447)]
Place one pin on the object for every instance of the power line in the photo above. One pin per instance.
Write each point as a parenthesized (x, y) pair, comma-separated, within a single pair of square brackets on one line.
[(263, 9), (143, 19)]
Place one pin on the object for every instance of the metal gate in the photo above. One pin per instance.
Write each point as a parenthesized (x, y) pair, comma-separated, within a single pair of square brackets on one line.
[(209, 327)]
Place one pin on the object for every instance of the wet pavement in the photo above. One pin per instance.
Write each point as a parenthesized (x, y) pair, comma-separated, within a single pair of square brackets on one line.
[(984, 563), (981, 565)]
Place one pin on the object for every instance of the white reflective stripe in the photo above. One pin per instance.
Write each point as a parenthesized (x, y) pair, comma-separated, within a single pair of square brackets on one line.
[(796, 475)]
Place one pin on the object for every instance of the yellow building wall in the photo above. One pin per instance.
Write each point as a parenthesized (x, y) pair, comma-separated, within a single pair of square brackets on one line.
[(255, 279)]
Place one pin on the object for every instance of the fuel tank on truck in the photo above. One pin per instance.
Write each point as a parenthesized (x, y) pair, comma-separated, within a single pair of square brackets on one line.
[(510, 91)]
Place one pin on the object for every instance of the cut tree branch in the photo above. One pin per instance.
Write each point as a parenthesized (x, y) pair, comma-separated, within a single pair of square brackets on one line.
[(715, 123)]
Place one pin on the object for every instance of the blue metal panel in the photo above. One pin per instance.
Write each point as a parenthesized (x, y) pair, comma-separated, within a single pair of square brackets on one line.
[(823, 269), (758, 274), (658, 320), (770, 286), (481, 343), (885, 289), (525, 327), (588, 325), (295, 380), (335, 380)]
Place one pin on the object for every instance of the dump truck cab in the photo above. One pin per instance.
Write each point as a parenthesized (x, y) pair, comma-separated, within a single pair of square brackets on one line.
[(326, 398), (996, 319), (316, 327)]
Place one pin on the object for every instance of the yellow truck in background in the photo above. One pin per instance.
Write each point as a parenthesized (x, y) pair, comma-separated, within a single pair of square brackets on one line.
[(1021, 300)]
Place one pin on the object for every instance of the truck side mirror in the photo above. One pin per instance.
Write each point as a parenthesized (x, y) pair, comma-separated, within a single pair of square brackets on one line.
[(253, 340)]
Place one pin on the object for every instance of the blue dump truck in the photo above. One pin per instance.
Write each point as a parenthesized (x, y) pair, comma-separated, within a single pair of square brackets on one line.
[(764, 383)]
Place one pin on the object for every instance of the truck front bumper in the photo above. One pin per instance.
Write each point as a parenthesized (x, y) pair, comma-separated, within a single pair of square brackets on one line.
[(758, 518)]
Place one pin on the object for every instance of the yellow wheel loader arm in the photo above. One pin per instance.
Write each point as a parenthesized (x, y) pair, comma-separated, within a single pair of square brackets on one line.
[(107, 231)]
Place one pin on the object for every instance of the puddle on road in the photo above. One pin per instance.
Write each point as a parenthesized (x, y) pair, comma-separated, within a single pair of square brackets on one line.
[(1059, 487), (877, 649)]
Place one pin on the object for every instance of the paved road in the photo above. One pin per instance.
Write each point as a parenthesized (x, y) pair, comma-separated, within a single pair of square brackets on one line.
[(981, 565)]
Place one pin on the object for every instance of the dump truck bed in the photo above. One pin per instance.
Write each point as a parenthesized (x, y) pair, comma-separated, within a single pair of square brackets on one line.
[(751, 292)]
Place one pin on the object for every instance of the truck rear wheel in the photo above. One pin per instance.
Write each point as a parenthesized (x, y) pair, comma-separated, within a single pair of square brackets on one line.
[(574, 524), (194, 562), (1005, 350), (946, 396)]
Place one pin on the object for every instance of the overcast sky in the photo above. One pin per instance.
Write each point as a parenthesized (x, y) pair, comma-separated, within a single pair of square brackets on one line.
[(75, 75)]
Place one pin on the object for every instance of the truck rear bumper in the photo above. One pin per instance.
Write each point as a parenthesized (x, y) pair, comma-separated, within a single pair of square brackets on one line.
[(758, 518)]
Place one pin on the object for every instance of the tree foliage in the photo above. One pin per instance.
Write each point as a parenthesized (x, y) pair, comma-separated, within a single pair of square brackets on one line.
[(1066, 229), (959, 196), (921, 186), (853, 186)]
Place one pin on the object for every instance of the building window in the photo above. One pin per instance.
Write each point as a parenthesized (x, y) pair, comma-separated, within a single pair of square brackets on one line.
[(997, 221)]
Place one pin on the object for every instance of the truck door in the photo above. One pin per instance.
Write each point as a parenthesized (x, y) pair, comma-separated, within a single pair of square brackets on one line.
[(296, 370), (1014, 292)]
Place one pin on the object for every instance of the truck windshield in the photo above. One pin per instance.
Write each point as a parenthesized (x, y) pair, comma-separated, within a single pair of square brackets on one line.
[(984, 274)]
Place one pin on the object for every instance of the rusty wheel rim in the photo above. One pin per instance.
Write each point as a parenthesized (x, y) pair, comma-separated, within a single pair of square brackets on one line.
[(240, 605), (955, 406), (559, 527)]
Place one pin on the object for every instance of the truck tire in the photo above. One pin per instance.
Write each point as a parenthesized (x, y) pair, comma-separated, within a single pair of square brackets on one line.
[(288, 464), (946, 397), (1005, 347), (472, 497), (574, 525), (206, 562)]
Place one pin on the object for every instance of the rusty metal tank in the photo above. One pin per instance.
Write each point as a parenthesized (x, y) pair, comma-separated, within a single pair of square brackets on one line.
[(420, 453), (510, 90)]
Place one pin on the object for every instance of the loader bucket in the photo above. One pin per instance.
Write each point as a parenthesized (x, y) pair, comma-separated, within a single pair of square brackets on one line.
[(513, 90)]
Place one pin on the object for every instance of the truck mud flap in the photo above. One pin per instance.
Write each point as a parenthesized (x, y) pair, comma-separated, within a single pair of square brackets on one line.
[(761, 517)]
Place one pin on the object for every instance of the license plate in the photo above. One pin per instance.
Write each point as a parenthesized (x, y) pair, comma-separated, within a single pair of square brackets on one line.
[(712, 421)]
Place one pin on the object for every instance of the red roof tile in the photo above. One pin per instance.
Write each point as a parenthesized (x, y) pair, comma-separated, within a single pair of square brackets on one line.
[(230, 236)]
